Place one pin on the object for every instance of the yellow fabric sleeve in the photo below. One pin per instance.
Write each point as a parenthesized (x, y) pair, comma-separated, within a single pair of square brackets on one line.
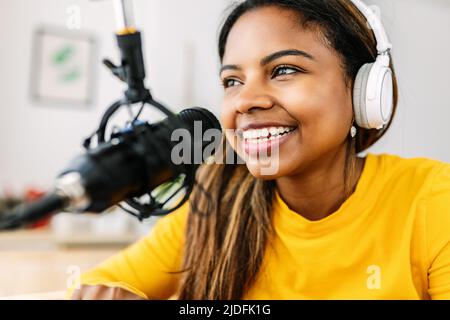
[(148, 267), (438, 235)]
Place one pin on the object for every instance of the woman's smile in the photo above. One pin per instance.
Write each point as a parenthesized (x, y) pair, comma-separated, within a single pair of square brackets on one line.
[(263, 141)]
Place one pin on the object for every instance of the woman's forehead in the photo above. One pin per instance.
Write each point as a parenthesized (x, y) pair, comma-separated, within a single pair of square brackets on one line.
[(263, 31)]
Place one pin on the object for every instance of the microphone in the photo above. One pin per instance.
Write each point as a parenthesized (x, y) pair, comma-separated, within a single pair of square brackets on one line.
[(133, 162)]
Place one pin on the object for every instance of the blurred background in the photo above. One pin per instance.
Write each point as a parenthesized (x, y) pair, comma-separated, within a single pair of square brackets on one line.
[(54, 89)]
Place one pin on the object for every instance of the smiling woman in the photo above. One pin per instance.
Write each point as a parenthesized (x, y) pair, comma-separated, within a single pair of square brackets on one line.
[(312, 81)]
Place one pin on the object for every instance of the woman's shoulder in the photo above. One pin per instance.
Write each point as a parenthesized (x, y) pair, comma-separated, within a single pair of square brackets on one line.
[(421, 173), (394, 161), (174, 221), (425, 184)]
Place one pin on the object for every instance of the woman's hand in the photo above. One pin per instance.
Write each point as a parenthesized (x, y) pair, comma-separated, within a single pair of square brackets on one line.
[(100, 292)]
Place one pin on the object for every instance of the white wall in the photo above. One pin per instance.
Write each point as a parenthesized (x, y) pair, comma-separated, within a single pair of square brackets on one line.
[(37, 141)]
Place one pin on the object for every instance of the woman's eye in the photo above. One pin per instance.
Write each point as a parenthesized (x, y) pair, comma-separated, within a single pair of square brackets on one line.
[(278, 71), (284, 70), (229, 83)]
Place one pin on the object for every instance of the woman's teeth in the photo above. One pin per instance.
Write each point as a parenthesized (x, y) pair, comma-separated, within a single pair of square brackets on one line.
[(266, 134)]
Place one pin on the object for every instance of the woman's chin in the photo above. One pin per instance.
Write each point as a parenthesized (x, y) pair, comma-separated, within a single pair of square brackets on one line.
[(264, 170)]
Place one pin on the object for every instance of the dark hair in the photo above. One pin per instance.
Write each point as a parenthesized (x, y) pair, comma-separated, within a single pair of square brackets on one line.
[(224, 249)]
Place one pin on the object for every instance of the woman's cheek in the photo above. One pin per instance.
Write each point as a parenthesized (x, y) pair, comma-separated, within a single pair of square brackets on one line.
[(227, 115), (228, 122)]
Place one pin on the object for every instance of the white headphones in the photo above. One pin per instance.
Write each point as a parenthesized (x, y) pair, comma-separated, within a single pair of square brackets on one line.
[(373, 89)]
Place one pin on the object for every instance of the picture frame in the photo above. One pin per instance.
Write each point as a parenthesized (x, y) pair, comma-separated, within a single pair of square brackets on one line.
[(63, 67)]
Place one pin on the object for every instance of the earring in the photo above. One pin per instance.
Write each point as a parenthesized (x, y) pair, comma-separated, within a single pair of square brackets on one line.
[(353, 132)]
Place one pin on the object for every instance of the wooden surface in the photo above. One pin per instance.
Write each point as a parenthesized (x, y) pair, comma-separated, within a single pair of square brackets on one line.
[(56, 295), (46, 239), (36, 265)]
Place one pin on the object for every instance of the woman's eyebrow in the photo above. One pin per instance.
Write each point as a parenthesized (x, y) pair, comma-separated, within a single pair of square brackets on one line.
[(271, 57)]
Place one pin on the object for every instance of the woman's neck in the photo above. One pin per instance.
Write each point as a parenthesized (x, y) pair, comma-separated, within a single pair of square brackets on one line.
[(319, 191)]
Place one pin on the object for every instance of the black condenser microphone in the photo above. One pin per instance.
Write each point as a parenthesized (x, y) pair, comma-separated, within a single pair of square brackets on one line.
[(133, 162)]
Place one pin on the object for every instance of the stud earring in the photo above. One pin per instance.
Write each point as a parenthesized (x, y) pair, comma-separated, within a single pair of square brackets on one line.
[(353, 132)]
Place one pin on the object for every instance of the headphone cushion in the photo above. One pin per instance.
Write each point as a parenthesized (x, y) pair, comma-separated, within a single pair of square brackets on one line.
[(359, 95)]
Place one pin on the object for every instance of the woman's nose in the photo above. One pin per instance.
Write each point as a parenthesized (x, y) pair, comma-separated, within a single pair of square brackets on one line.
[(252, 98)]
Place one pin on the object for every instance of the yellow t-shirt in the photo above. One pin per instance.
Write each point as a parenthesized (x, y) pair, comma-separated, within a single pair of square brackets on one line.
[(389, 240)]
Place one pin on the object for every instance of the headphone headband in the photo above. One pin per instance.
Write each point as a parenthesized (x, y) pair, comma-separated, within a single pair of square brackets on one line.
[(383, 43)]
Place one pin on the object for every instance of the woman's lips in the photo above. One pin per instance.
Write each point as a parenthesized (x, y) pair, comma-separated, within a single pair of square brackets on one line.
[(266, 148)]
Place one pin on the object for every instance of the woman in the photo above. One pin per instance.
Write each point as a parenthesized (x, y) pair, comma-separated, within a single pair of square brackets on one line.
[(326, 224)]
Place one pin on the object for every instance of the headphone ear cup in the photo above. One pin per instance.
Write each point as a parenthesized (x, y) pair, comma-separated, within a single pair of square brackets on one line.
[(359, 96)]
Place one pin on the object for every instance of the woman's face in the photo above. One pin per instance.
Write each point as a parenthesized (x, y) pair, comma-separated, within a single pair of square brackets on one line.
[(285, 87)]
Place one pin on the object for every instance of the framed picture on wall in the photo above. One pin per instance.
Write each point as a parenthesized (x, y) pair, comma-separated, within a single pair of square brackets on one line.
[(63, 64)]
